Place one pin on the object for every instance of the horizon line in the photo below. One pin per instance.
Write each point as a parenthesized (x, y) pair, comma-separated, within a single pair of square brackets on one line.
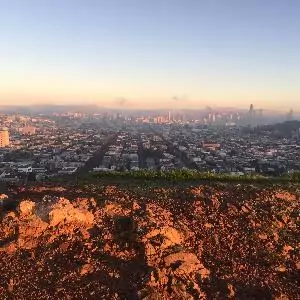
[(148, 109)]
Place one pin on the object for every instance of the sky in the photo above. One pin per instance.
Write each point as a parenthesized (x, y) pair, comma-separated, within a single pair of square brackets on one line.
[(151, 53)]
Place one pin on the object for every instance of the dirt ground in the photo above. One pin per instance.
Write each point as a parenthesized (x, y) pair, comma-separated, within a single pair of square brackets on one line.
[(107, 241)]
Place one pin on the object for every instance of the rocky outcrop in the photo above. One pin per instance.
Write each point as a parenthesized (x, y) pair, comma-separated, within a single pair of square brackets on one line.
[(29, 230), (172, 266), (205, 242), (63, 212)]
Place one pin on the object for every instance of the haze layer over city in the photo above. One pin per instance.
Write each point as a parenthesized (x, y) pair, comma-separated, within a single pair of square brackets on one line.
[(149, 149)]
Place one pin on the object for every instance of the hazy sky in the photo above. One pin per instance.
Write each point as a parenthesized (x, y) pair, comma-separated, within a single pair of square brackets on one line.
[(151, 53)]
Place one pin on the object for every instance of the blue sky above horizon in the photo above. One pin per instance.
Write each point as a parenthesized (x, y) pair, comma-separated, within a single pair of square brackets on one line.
[(151, 53)]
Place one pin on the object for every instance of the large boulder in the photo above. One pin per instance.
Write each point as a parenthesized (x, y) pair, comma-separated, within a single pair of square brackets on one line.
[(169, 236), (185, 263), (64, 212)]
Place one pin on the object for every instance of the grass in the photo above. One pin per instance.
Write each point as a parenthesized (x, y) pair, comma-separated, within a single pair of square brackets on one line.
[(190, 175)]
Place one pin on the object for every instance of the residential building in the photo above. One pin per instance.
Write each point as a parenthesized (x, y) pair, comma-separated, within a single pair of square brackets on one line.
[(4, 137)]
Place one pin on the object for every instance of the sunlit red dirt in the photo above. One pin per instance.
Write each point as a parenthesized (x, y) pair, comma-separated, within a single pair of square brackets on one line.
[(109, 242)]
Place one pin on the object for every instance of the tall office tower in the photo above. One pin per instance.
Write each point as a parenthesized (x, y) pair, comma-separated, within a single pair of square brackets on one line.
[(290, 115), (251, 110), (4, 137), (170, 116)]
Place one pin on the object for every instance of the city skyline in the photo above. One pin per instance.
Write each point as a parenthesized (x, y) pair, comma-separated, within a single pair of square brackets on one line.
[(152, 54)]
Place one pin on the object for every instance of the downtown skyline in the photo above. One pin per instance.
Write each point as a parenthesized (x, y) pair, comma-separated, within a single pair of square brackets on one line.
[(151, 54)]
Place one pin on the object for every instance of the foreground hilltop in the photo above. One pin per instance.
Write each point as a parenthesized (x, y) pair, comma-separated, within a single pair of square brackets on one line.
[(130, 242)]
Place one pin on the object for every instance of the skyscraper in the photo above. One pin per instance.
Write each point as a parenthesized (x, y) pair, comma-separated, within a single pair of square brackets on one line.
[(4, 137), (290, 115), (170, 116), (251, 110)]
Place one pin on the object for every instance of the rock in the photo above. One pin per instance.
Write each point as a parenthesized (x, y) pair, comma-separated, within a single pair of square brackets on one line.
[(173, 235), (231, 290), (208, 225), (185, 264), (281, 269), (286, 196), (149, 250), (64, 246), (64, 212), (86, 269), (26, 207), (181, 257), (204, 272), (263, 236), (282, 297), (135, 206), (10, 286), (30, 233), (3, 197), (287, 248), (9, 248), (112, 210)]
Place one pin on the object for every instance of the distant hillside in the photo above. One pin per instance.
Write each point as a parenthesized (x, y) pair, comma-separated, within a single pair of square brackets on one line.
[(286, 129), (48, 109)]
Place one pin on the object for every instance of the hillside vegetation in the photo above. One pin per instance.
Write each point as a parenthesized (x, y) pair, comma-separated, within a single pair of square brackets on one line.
[(193, 175)]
